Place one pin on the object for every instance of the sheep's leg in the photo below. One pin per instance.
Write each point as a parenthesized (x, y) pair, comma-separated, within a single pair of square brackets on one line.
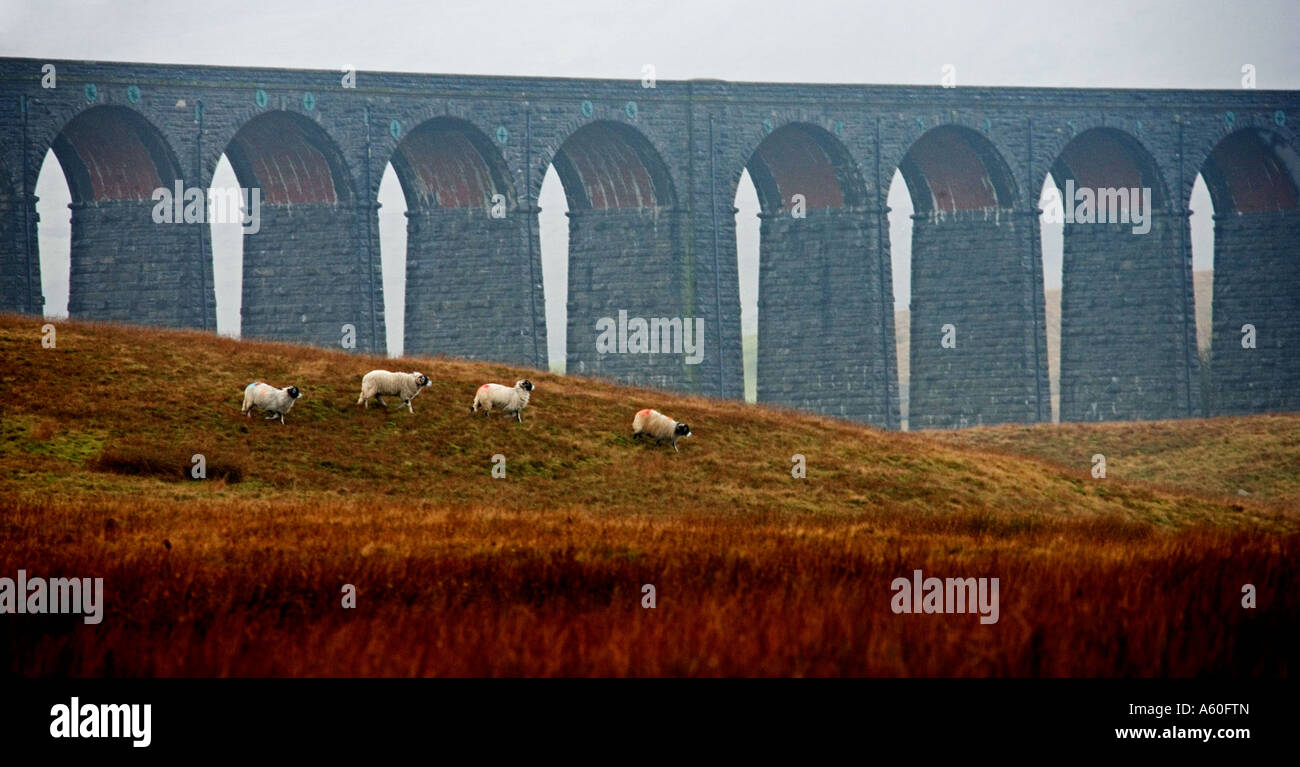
[(282, 419), (518, 418), (380, 400), (408, 407), (675, 446)]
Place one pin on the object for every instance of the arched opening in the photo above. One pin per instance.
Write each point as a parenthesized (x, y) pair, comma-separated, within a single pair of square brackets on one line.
[(133, 252), (952, 169), (748, 240), (311, 270), (969, 365), (553, 237), (472, 266), (899, 202), (634, 312), (1201, 207), (1253, 178), (393, 223), (1052, 237), (607, 165), (227, 246), (823, 325), (1128, 330), (54, 234)]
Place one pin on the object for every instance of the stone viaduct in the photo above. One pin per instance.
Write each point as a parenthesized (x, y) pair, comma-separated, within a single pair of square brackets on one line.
[(650, 175)]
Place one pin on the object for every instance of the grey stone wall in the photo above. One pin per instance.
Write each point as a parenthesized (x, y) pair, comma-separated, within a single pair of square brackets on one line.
[(821, 343), (974, 271), (1257, 282), (126, 268), (319, 263), (470, 289), (628, 259), (20, 274), (305, 277), (1127, 323)]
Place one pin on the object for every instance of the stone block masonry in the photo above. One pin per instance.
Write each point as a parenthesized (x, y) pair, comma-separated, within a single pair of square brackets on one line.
[(651, 177)]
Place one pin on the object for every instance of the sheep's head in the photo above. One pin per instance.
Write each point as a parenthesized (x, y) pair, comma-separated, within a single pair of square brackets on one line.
[(525, 384), (422, 380), (682, 430), (293, 392)]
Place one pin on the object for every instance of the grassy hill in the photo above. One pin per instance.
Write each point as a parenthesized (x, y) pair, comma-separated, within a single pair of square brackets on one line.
[(542, 572), (1256, 457)]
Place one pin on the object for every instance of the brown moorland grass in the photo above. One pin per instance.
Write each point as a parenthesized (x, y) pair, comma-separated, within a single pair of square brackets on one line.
[(541, 573), (1255, 457)]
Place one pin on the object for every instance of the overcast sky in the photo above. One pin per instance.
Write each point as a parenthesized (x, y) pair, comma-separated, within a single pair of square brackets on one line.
[(1095, 44)]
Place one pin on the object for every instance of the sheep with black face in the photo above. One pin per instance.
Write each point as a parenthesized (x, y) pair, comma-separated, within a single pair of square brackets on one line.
[(274, 401), (381, 383), (661, 428), (508, 399)]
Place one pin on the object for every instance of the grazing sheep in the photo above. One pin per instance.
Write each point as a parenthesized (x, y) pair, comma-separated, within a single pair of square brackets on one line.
[(265, 396), (381, 383), (492, 396), (654, 424)]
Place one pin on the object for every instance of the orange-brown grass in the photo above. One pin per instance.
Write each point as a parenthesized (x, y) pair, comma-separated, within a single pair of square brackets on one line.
[(1249, 457), (541, 573)]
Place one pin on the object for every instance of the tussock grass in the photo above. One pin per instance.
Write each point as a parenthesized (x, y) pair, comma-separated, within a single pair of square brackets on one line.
[(541, 573)]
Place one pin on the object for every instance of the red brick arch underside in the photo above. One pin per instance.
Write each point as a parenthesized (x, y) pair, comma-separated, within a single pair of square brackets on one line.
[(953, 168), (1107, 158), (112, 153), (449, 164), (803, 159), (290, 159), (1252, 171), (606, 165)]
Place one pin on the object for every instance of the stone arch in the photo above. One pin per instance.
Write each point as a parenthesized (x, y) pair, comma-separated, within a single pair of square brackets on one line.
[(114, 153), (132, 258), (952, 168), (824, 341), (1128, 341), (1103, 157), (291, 159), (1253, 176), (447, 162), (311, 270), (451, 175), (626, 258), (803, 158), (607, 165), (828, 131), (971, 243), (1253, 170)]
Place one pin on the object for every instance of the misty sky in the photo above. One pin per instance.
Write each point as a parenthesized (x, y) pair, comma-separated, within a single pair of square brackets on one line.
[(1097, 44)]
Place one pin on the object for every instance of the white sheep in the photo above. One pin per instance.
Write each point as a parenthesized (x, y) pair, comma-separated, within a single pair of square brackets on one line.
[(265, 396), (381, 383), (492, 396), (654, 424)]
